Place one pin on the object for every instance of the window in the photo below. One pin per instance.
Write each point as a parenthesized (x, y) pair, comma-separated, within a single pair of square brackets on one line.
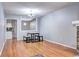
[(28, 25)]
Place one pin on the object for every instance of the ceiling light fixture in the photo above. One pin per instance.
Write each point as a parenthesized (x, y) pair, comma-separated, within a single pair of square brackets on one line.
[(31, 11), (31, 14)]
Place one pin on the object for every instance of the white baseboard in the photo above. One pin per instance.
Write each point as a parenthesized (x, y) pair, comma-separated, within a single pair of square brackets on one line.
[(60, 44), (2, 47)]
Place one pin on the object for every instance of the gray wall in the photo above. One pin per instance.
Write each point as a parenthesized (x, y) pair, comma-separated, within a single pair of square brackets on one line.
[(57, 26), (2, 30)]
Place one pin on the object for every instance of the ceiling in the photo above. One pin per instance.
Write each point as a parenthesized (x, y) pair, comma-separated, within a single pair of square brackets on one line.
[(20, 8)]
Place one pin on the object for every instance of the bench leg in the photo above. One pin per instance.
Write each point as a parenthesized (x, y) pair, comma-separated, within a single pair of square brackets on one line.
[(27, 40), (42, 38), (39, 39)]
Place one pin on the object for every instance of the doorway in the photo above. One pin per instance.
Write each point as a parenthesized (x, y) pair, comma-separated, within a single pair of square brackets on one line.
[(12, 28)]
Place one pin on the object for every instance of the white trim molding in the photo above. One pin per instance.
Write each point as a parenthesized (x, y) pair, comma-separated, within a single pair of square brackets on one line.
[(59, 44), (3, 47)]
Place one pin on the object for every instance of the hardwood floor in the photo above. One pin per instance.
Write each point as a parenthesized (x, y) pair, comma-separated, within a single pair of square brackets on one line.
[(14, 48)]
